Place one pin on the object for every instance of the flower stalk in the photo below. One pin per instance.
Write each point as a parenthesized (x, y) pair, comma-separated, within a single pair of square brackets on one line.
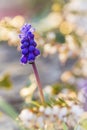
[(38, 82), (29, 52)]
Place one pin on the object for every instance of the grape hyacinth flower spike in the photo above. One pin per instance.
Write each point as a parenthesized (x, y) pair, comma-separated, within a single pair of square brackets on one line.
[(30, 52)]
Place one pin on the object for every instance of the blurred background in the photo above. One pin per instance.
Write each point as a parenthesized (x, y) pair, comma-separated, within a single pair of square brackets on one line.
[(61, 35)]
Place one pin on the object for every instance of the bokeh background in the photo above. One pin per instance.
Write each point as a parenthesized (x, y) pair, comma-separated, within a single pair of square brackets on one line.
[(61, 35)]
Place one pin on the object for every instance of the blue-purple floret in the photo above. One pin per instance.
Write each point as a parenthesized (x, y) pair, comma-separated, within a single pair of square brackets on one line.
[(28, 44)]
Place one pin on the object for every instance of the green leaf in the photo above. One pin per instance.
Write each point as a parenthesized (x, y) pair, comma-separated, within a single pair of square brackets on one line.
[(76, 127), (83, 121), (47, 100), (65, 126), (5, 82), (56, 88), (35, 103), (8, 109), (84, 124), (77, 39), (60, 37), (11, 112)]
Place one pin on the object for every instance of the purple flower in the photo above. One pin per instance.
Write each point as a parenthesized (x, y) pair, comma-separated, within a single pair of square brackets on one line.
[(82, 83), (28, 44)]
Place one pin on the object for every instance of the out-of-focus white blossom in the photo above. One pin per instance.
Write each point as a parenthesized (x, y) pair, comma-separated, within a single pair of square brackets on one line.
[(26, 115), (77, 110), (48, 111), (55, 110), (51, 35), (49, 49), (40, 121), (81, 97), (48, 89), (41, 109), (63, 112), (54, 18), (28, 91)]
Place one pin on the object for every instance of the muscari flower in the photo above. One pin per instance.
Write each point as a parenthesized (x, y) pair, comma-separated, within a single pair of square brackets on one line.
[(28, 44), (30, 52)]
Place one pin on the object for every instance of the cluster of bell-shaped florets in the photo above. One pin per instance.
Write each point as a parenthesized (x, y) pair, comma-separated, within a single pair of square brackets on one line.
[(28, 44)]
